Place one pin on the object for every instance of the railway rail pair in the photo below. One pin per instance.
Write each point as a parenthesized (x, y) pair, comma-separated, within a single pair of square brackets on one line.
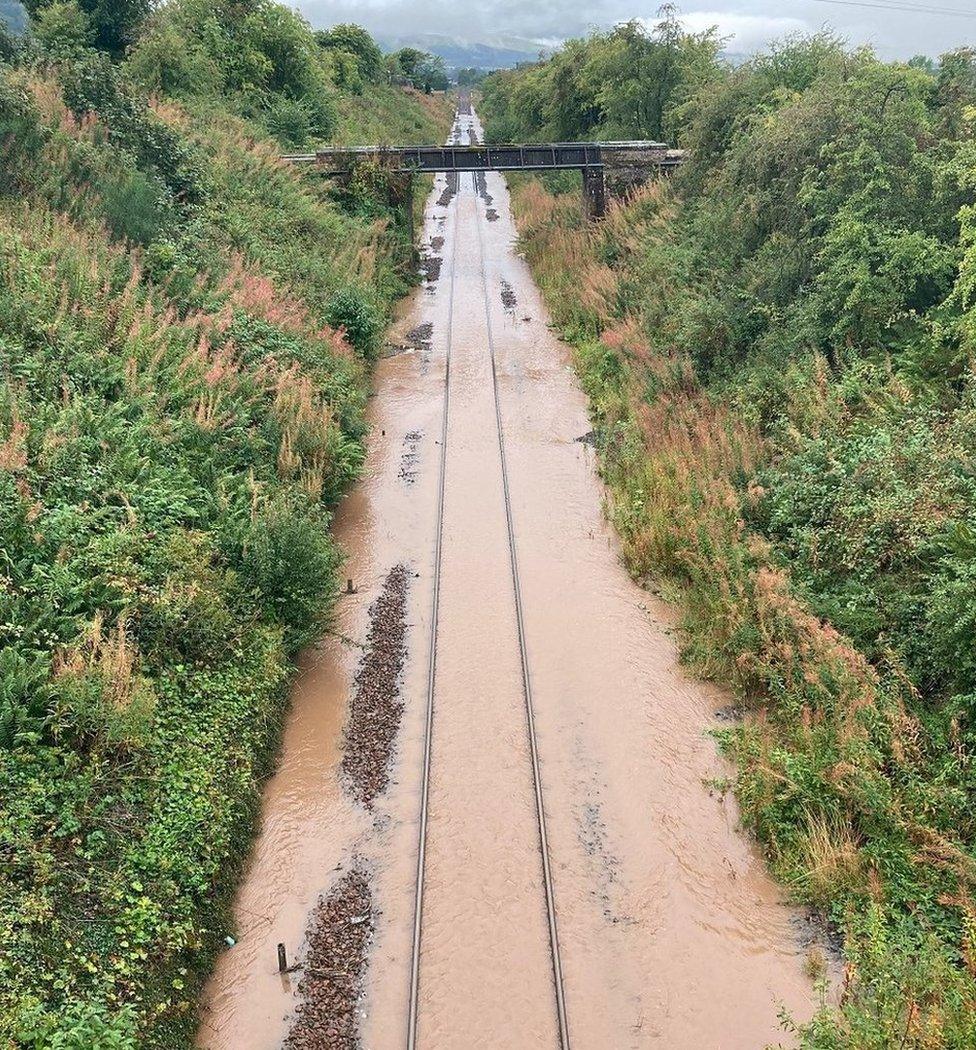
[(540, 811)]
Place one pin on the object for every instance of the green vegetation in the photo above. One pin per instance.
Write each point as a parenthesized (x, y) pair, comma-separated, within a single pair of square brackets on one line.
[(420, 69), (186, 329), (778, 347), (622, 84)]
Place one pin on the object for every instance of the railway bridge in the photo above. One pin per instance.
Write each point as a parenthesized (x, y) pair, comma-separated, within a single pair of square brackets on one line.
[(632, 162)]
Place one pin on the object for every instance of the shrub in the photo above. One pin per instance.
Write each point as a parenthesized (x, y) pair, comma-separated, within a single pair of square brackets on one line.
[(170, 62), (63, 29), (354, 40), (92, 84), (291, 121), (289, 561), (352, 311)]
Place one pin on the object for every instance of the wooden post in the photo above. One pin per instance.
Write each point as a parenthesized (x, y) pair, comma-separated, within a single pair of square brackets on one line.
[(594, 194)]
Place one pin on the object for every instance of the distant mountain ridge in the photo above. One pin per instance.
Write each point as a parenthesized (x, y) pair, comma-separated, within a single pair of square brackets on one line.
[(496, 53)]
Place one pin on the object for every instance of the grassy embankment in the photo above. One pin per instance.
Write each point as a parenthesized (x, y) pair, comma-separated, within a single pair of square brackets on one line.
[(186, 330), (778, 351)]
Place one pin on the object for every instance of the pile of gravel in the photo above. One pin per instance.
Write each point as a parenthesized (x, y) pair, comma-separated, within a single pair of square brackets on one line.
[(338, 937), (376, 707)]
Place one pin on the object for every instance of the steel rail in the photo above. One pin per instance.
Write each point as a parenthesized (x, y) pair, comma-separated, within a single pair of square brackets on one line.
[(557, 969), (431, 669)]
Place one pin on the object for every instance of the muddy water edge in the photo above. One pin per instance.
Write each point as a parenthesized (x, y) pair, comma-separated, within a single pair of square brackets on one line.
[(672, 935)]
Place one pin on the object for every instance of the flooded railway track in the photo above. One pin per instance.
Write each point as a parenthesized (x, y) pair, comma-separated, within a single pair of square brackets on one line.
[(540, 809), (550, 755)]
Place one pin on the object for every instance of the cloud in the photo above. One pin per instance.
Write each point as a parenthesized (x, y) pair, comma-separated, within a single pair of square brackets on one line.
[(746, 33), (751, 23)]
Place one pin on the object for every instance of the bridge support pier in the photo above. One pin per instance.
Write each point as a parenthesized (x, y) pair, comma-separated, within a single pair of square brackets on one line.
[(594, 193)]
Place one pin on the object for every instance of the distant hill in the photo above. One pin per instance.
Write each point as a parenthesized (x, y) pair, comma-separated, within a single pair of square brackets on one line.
[(13, 13), (497, 53)]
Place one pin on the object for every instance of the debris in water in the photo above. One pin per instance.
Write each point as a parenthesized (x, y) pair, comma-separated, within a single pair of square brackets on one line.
[(376, 706), (430, 271), (410, 456), (731, 713), (417, 339)]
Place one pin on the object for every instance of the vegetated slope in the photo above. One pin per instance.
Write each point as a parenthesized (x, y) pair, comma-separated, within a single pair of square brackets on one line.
[(186, 327), (778, 347)]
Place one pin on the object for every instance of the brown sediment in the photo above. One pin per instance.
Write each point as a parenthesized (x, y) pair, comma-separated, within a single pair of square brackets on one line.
[(338, 939), (376, 705)]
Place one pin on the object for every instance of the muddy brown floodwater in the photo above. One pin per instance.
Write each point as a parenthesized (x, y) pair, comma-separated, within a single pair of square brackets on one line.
[(671, 933)]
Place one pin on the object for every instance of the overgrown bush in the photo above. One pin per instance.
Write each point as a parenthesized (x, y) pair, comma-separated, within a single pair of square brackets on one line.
[(352, 312)]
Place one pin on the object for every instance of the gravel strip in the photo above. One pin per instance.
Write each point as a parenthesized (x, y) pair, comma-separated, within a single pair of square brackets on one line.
[(449, 191), (374, 714), (410, 456), (430, 271), (338, 938)]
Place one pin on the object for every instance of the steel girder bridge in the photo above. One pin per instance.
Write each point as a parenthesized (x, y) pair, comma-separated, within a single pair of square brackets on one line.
[(592, 159)]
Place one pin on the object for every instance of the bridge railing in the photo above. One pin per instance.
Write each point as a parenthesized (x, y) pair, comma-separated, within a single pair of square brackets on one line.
[(506, 157)]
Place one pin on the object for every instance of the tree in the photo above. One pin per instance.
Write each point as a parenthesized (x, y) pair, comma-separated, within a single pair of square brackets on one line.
[(431, 75), (115, 23), (469, 76), (354, 40), (423, 70), (62, 28)]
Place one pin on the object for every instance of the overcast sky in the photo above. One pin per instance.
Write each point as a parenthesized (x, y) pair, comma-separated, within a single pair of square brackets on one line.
[(750, 22)]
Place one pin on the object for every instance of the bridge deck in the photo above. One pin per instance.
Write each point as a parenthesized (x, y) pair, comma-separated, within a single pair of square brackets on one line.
[(530, 157)]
